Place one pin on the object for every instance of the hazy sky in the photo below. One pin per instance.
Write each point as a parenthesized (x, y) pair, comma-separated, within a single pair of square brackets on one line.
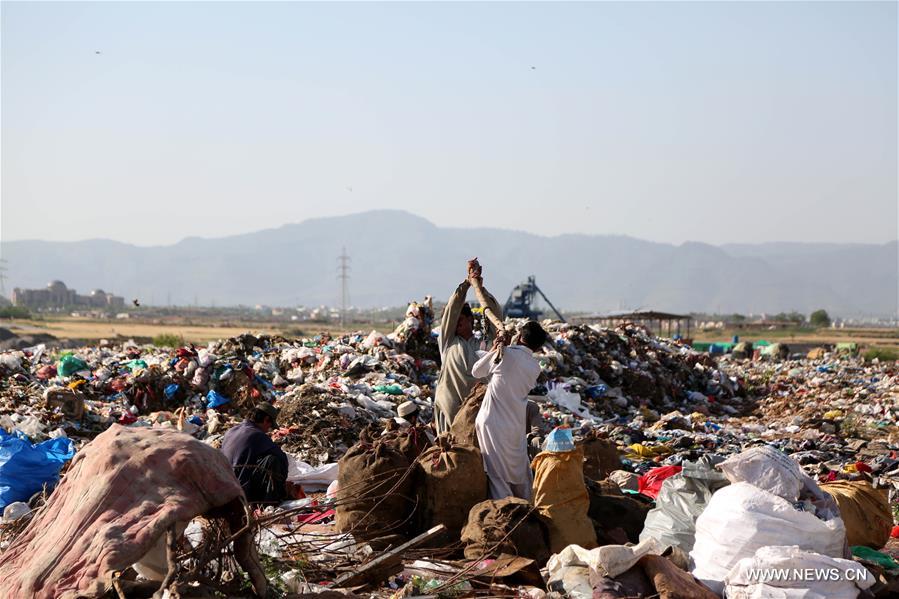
[(666, 121)]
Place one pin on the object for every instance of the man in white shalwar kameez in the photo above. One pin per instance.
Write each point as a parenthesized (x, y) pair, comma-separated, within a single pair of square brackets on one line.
[(501, 422)]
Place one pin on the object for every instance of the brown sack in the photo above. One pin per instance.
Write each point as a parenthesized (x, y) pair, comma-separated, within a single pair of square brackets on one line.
[(865, 512), (617, 519), (450, 481), (487, 534), (601, 458), (671, 582), (411, 441), (561, 498), (374, 491), (462, 428)]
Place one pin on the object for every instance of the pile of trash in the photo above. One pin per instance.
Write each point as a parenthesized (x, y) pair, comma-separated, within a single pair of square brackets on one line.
[(659, 470), (330, 388), (835, 394)]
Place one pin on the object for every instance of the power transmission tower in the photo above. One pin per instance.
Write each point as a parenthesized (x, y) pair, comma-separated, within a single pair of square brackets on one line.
[(343, 269), (3, 276)]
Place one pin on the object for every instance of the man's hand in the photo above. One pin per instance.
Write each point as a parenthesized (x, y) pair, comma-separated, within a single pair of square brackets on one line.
[(500, 340), (474, 271)]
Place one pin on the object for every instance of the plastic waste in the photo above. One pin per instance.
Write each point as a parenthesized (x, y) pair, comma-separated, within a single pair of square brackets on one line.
[(871, 555), (559, 440), (651, 483), (830, 578), (25, 468), (15, 510), (389, 389), (70, 364), (214, 399), (742, 518), (171, 390), (681, 500)]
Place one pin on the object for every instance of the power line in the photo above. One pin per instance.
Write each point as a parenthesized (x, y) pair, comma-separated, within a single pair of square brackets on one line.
[(343, 269)]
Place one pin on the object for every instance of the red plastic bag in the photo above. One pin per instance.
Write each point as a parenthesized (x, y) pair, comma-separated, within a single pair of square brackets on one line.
[(651, 483)]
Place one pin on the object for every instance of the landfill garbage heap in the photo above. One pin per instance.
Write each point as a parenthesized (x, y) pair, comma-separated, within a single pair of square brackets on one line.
[(330, 388), (652, 421)]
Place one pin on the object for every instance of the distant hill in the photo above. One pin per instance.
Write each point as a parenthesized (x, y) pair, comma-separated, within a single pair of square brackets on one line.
[(397, 256)]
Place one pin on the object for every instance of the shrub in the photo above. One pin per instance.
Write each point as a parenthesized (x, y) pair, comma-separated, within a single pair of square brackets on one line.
[(15, 312), (168, 340), (884, 354)]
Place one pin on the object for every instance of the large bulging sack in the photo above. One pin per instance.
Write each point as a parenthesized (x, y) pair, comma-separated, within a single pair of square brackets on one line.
[(742, 518), (374, 496), (865, 512), (450, 481), (681, 500), (561, 498), (505, 526), (411, 441), (463, 426), (833, 578)]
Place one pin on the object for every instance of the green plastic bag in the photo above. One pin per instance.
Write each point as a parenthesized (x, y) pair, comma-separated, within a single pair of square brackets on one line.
[(134, 365), (870, 555), (70, 364), (389, 389)]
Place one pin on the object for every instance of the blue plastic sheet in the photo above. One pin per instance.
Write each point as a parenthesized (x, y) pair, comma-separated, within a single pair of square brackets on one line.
[(559, 440), (215, 399), (25, 468)]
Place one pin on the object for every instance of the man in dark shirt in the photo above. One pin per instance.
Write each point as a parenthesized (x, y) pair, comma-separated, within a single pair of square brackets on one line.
[(259, 464)]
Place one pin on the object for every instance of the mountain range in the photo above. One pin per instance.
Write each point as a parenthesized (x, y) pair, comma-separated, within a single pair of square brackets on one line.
[(397, 257)]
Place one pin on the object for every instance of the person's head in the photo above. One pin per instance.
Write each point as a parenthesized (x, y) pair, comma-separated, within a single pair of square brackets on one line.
[(265, 416), (408, 410), (532, 335), (465, 325)]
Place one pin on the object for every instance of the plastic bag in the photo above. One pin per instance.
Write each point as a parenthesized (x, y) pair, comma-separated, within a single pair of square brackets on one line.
[(766, 468), (741, 519), (681, 500), (70, 364), (216, 399), (833, 578), (559, 440), (651, 483), (25, 468)]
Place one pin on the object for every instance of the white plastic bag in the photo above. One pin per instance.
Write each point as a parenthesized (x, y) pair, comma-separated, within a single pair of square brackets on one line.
[(741, 519), (310, 476), (681, 500), (767, 468), (792, 573)]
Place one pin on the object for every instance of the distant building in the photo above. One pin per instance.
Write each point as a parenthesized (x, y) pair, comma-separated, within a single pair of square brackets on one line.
[(57, 295)]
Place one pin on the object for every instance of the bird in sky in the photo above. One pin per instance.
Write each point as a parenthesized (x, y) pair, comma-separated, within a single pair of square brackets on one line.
[(136, 303), (96, 51)]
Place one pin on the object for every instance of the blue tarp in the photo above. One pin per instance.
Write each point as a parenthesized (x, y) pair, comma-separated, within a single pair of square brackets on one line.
[(25, 467)]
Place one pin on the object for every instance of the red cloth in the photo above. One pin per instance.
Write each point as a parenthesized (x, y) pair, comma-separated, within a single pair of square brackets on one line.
[(651, 483), (862, 467), (316, 517), (895, 532)]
